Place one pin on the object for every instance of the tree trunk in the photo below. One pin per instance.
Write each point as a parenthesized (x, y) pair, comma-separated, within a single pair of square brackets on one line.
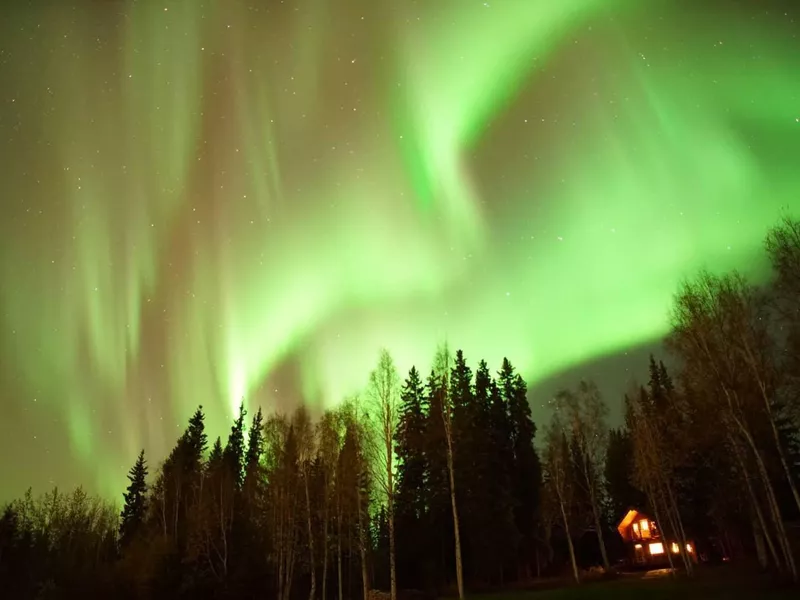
[(392, 555), (390, 507), (776, 436), (325, 545), (773, 504), (362, 542), (599, 531), (680, 531), (575, 572), (658, 524), (339, 554), (755, 503), (313, 592), (456, 532), (758, 538)]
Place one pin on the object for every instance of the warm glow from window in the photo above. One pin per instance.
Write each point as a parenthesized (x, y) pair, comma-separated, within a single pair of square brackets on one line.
[(656, 548), (645, 525), (689, 548), (638, 546), (675, 548), (636, 528)]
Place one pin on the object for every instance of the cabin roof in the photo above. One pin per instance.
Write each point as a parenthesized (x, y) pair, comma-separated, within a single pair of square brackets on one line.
[(631, 516)]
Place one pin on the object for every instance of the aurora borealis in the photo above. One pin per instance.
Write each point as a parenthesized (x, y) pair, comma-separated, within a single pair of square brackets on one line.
[(211, 200)]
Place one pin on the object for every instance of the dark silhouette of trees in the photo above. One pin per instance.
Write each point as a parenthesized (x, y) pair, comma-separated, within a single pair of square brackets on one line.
[(411, 506), (525, 468), (619, 464), (134, 512)]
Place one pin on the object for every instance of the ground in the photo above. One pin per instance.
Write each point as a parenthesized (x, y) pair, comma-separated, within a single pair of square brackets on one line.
[(720, 585)]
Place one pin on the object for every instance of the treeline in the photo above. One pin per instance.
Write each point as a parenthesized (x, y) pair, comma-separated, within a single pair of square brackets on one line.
[(438, 483)]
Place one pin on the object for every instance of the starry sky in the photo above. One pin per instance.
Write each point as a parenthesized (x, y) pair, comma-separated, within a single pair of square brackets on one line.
[(210, 200)]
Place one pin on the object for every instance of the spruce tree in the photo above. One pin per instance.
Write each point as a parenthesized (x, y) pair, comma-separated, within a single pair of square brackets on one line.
[(526, 471), (411, 468), (504, 537), (439, 528), (410, 447), (255, 446), (622, 494), (469, 436), (135, 509), (215, 458), (233, 455), (196, 440)]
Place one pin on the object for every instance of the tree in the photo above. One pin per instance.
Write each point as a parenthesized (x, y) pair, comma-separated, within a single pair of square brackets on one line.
[(255, 449), (234, 453), (330, 444), (504, 534), (442, 372), (306, 449), (384, 390), (410, 493), (135, 510), (282, 499), (649, 466), (354, 481), (783, 248), (557, 481), (527, 476), (178, 481), (619, 465), (720, 331), (585, 421)]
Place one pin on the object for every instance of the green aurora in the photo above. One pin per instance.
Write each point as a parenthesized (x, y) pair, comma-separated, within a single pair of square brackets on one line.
[(210, 201)]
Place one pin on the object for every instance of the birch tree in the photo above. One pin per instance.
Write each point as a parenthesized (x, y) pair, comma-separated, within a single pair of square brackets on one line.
[(719, 331), (442, 370), (306, 450), (557, 480), (585, 421), (384, 398), (330, 444)]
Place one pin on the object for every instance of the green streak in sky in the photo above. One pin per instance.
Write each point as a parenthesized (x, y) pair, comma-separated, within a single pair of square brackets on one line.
[(220, 201)]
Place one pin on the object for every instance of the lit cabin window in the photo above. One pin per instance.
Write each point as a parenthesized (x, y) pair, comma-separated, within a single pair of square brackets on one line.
[(645, 526), (689, 548), (656, 548), (636, 529), (675, 548), (638, 546)]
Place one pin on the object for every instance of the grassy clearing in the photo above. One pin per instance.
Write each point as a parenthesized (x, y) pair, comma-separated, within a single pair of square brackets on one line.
[(726, 585)]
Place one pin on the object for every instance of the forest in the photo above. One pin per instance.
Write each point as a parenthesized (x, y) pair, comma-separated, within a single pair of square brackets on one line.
[(440, 483)]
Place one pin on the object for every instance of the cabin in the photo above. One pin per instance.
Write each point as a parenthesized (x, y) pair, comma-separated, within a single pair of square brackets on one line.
[(645, 546)]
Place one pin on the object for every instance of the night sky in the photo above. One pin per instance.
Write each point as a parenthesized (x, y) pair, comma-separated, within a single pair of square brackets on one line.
[(216, 199)]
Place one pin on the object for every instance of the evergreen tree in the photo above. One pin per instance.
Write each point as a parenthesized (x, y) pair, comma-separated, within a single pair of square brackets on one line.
[(233, 455), (255, 447), (411, 467), (506, 534), (493, 533), (178, 481), (215, 458), (469, 466), (526, 471), (439, 527), (622, 494), (135, 509), (195, 440)]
